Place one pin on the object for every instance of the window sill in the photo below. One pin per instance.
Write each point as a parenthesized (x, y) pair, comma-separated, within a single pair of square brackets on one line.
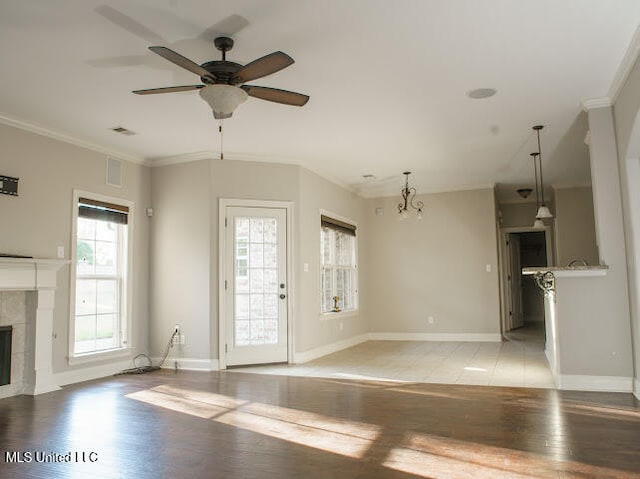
[(119, 353), (340, 314)]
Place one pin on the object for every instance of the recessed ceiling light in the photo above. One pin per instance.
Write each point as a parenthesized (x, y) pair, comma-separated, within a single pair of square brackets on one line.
[(482, 93)]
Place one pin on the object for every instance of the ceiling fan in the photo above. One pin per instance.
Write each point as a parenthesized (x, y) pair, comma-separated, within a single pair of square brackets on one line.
[(224, 82)]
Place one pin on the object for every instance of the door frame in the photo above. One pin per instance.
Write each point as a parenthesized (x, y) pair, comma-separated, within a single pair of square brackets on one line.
[(222, 238), (504, 264)]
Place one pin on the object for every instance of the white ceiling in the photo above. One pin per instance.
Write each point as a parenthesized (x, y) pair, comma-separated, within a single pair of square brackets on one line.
[(387, 82)]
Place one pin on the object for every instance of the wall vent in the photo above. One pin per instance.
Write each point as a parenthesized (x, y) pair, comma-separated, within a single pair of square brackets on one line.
[(114, 172)]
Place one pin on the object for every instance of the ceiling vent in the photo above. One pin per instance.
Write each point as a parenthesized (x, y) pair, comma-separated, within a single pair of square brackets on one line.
[(123, 131)]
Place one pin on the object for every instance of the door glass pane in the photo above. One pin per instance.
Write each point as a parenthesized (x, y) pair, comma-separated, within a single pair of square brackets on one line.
[(256, 281)]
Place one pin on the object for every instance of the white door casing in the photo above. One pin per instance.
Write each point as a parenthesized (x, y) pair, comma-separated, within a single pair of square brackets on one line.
[(254, 294)]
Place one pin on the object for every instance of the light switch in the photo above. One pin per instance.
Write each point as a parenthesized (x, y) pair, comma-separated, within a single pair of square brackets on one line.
[(488, 268), (61, 252), (305, 266)]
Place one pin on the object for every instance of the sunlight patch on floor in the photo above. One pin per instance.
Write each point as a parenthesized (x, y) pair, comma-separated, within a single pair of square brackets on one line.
[(335, 435)]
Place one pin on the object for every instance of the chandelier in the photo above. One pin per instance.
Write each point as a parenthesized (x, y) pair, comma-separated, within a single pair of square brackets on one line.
[(409, 200)]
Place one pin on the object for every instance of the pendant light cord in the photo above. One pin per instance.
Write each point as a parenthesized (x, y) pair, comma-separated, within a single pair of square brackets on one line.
[(535, 172), (540, 161)]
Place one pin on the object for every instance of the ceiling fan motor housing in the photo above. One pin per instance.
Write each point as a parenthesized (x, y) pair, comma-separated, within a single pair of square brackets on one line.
[(222, 70)]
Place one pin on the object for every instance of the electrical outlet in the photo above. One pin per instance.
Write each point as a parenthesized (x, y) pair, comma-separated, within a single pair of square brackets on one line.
[(61, 252), (431, 320)]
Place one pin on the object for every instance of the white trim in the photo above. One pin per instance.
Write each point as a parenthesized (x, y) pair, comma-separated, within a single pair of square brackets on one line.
[(339, 314), (626, 65), (42, 131), (576, 382), (320, 351), (453, 189), (288, 206), (110, 354), (567, 186), (458, 337), (189, 364), (593, 103), (636, 388), (250, 157), (73, 376), (128, 279)]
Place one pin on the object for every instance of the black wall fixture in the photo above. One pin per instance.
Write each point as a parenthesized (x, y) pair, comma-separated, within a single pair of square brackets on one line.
[(8, 185)]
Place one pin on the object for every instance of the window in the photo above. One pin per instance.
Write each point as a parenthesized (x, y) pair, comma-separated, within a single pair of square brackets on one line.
[(99, 320), (338, 265)]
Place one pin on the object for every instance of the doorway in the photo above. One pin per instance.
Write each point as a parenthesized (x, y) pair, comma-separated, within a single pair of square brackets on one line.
[(254, 326), (523, 301)]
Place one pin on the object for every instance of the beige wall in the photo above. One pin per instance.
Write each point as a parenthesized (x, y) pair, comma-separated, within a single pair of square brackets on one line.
[(39, 220), (626, 111), (434, 267), (517, 214), (318, 194), (180, 258), (575, 226), (184, 272)]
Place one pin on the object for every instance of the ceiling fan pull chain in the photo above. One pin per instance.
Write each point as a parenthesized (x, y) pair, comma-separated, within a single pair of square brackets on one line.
[(221, 140)]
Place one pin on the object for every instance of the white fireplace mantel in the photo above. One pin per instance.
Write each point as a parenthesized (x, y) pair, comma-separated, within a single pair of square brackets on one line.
[(39, 275)]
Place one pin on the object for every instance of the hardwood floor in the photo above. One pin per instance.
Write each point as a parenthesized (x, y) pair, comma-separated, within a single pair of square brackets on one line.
[(241, 425)]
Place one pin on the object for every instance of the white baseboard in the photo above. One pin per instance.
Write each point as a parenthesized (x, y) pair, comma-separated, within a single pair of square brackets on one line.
[(460, 337), (575, 382), (636, 388), (316, 353), (190, 364), (73, 376)]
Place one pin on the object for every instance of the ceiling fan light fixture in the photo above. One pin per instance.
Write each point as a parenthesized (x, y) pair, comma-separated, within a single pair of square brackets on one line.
[(223, 99), (538, 223)]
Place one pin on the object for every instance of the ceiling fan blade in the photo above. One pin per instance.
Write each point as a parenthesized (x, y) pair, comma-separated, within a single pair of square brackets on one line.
[(181, 61), (263, 66), (129, 24), (278, 96), (169, 89)]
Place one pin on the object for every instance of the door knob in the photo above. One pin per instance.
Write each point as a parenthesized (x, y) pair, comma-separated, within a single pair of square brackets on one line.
[(282, 296)]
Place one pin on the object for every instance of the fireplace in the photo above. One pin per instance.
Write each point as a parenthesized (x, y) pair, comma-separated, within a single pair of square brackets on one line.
[(27, 299), (5, 354)]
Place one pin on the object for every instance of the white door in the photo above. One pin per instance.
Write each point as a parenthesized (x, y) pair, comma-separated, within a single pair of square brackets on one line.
[(256, 285)]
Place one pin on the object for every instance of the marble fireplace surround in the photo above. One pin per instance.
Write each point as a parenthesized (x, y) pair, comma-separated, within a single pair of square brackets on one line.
[(27, 303)]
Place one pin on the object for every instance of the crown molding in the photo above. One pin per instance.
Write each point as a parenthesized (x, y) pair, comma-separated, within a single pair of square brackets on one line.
[(56, 135), (480, 186), (594, 103), (184, 158), (249, 157), (567, 186), (627, 64)]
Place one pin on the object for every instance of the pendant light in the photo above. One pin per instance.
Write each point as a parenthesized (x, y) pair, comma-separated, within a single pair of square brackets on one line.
[(538, 223), (543, 210)]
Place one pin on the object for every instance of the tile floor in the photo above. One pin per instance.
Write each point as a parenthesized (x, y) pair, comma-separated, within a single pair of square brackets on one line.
[(518, 361)]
